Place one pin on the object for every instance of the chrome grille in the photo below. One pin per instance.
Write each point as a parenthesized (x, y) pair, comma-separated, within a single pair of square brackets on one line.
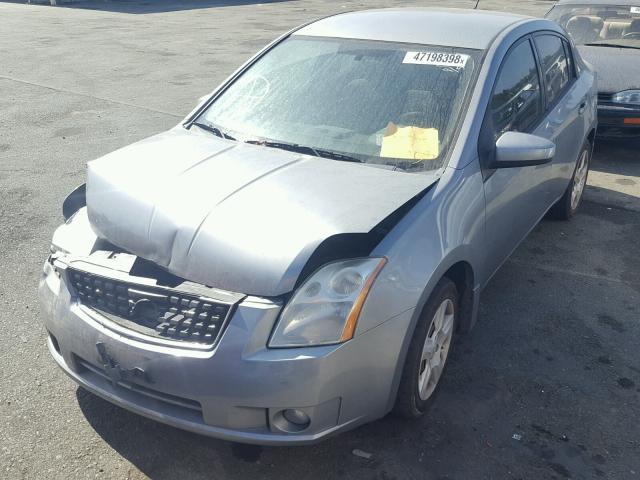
[(157, 311)]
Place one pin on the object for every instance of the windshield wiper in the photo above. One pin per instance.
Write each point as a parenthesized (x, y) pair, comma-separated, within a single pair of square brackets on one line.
[(337, 156), (291, 147), (213, 129), (606, 44), (295, 147)]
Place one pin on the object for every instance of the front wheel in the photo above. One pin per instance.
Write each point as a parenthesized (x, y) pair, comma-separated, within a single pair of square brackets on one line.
[(567, 206), (428, 351)]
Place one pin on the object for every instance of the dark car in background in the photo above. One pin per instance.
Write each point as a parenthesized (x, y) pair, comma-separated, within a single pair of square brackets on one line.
[(607, 34)]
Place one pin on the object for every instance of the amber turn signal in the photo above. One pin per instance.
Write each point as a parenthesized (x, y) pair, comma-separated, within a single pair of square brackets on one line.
[(352, 320)]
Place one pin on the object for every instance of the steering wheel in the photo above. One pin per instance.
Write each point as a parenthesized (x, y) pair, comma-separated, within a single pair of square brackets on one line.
[(631, 35), (410, 118)]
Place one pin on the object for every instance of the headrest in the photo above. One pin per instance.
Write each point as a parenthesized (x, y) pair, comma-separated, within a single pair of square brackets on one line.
[(579, 22), (635, 25)]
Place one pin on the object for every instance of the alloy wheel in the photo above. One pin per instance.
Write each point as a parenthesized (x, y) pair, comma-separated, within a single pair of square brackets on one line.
[(436, 348), (579, 179)]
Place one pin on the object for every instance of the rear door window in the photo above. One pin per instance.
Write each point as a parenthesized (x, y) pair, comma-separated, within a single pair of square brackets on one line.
[(516, 99), (555, 66)]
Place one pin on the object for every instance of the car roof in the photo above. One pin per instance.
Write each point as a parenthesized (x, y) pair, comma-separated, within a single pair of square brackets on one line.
[(464, 28), (622, 3)]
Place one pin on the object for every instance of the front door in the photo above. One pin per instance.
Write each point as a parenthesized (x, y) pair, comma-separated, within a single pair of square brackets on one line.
[(516, 198)]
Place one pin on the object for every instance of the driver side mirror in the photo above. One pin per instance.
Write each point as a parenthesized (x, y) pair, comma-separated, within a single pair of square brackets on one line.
[(516, 149)]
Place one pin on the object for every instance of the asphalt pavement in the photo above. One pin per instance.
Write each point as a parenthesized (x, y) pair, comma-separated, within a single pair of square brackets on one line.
[(546, 386)]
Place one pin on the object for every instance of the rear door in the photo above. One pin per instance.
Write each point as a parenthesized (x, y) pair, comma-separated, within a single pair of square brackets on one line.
[(516, 198), (566, 101)]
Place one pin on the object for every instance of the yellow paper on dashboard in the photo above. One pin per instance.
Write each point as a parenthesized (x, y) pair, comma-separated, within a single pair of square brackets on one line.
[(414, 143)]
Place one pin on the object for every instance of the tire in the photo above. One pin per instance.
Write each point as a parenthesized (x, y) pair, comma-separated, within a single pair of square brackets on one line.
[(417, 385), (567, 206)]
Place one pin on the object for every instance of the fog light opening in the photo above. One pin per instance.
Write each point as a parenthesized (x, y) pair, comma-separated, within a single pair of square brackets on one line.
[(291, 420)]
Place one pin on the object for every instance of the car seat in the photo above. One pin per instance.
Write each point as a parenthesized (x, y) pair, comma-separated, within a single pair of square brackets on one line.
[(582, 29), (614, 29), (634, 29)]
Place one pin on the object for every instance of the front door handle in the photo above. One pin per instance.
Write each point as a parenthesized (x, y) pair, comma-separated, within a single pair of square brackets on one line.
[(583, 105)]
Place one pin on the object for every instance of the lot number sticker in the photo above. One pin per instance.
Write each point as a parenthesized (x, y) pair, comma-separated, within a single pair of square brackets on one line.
[(438, 59), (635, 9)]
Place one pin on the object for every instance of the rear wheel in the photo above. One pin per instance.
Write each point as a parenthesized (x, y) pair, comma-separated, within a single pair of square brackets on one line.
[(428, 351), (567, 206)]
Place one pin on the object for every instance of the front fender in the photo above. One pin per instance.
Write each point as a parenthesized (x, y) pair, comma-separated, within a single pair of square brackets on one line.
[(445, 227)]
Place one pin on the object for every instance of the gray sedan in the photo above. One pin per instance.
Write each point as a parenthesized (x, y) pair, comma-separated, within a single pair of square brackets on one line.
[(294, 258)]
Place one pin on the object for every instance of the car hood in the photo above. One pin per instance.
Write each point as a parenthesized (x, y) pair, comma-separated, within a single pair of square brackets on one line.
[(618, 69), (239, 217)]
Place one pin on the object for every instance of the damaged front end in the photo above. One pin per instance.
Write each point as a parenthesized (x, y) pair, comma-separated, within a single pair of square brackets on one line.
[(234, 216), (171, 233), (181, 290), (197, 357)]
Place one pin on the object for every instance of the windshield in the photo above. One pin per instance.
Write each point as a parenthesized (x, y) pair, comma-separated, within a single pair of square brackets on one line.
[(607, 25), (395, 105)]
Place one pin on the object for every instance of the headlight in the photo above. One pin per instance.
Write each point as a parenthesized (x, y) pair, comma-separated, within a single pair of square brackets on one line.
[(628, 96), (325, 309)]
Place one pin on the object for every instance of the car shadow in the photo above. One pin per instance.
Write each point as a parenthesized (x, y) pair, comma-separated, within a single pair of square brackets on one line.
[(620, 156), (138, 7), (526, 394), (614, 177)]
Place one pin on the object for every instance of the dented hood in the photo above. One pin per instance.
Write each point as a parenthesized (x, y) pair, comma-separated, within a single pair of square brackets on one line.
[(235, 216)]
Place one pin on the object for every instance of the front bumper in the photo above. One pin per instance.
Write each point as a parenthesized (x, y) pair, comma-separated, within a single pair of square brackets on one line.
[(618, 120), (236, 390)]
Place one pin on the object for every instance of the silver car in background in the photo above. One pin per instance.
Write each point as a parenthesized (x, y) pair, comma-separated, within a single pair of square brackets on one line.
[(293, 259)]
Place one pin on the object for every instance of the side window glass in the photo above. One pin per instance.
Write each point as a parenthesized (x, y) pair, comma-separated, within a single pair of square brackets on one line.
[(555, 66), (516, 100)]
